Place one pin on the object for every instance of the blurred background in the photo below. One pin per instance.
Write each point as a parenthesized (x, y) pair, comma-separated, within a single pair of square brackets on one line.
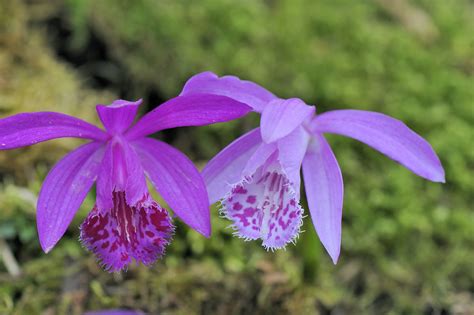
[(408, 244)]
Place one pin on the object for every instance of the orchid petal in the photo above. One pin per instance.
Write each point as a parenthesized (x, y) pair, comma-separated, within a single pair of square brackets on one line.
[(178, 182), (120, 171), (225, 169), (64, 190), (291, 151), (387, 135), (324, 192), (281, 117), (118, 116), (188, 110), (30, 128), (246, 92), (260, 156)]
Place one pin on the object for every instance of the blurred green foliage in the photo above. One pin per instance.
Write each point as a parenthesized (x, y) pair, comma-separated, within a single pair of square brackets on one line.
[(407, 244)]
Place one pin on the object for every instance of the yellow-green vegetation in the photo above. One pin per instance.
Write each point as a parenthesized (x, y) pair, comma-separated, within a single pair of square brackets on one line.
[(407, 243), (32, 79)]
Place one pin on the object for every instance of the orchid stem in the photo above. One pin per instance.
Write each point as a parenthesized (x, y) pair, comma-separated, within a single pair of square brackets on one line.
[(8, 259)]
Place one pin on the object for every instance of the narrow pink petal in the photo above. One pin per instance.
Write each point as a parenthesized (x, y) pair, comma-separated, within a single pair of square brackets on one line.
[(324, 192), (188, 110), (178, 182), (30, 128), (118, 116), (225, 169), (246, 92), (121, 170), (259, 157), (281, 117), (387, 135), (291, 151), (140, 231), (64, 190)]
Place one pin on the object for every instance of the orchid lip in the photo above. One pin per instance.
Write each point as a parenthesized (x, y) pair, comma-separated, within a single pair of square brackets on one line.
[(264, 206), (125, 232)]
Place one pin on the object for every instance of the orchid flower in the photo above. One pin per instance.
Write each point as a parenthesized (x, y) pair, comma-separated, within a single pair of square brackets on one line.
[(125, 222), (257, 177)]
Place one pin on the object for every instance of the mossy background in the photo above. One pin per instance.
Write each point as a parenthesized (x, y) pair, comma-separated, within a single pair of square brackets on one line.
[(408, 244)]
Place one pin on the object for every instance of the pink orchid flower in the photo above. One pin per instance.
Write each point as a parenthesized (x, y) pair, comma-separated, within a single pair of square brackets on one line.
[(257, 177), (126, 223)]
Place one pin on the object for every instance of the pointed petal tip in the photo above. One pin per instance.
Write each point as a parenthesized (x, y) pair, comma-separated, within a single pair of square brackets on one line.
[(333, 252), (46, 243), (437, 175), (441, 177), (206, 232), (334, 258), (46, 247), (434, 169)]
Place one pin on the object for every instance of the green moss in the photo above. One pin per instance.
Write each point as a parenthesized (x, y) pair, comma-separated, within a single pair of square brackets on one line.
[(407, 243), (32, 79)]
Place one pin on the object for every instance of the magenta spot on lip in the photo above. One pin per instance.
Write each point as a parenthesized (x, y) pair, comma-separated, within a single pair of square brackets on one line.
[(249, 211), (251, 199), (237, 206), (239, 190)]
